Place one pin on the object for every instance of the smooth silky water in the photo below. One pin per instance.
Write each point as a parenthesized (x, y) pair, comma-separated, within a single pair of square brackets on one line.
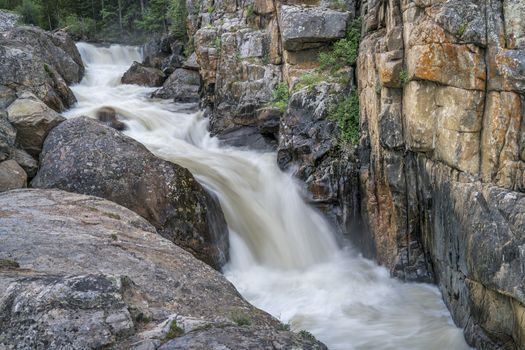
[(284, 257)]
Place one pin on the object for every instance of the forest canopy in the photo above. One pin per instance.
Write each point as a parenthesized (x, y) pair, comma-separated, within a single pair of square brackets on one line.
[(104, 20)]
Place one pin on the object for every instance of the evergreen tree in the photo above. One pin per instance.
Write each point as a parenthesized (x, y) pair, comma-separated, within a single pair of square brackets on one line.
[(108, 20)]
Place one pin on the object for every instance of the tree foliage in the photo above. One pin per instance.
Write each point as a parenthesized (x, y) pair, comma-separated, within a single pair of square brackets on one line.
[(106, 20)]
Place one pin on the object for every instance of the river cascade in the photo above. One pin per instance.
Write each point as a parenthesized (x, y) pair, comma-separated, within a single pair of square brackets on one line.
[(285, 258)]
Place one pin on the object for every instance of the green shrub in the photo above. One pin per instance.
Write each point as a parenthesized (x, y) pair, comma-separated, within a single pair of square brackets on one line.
[(280, 96), (217, 43), (250, 13), (211, 9), (241, 319), (346, 113), (307, 335), (174, 331), (30, 12), (283, 327), (344, 52), (309, 81)]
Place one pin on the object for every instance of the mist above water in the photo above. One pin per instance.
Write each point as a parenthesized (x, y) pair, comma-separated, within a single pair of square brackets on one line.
[(284, 257)]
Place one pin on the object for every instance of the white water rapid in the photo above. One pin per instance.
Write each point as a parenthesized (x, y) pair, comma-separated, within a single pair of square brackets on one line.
[(284, 258)]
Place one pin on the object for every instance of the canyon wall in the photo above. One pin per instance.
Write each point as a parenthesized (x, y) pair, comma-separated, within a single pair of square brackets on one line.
[(441, 88), (244, 50)]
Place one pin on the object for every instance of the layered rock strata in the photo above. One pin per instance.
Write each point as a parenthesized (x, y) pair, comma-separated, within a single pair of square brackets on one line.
[(442, 166)]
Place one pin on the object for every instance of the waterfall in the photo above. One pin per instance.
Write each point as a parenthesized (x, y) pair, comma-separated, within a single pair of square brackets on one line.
[(284, 258)]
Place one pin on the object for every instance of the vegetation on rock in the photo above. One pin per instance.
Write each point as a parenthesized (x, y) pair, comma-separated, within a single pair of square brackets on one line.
[(280, 96), (241, 318), (344, 52), (309, 80), (174, 331), (346, 113)]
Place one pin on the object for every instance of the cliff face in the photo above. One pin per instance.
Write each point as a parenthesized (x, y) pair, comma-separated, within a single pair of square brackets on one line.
[(244, 50), (441, 88)]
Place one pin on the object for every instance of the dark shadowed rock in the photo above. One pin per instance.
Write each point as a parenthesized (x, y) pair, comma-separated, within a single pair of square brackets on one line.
[(108, 116), (309, 144), (32, 120), (139, 74), (165, 54), (7, 136), (26, 161), (80, 272), (12, 176), (84, 156), (182, 85)]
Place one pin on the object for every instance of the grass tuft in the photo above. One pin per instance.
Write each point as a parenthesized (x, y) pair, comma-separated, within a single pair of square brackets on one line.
[(241, 319), (174, 331), (280, 96)]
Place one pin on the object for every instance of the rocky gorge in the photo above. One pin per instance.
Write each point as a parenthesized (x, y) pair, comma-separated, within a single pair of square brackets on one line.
[(432, 189)]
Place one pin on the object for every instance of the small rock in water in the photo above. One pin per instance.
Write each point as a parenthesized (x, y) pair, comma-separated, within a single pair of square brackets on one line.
[(108, 115)]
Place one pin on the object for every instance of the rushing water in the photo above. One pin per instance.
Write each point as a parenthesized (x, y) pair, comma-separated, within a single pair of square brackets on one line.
[(284, 258)]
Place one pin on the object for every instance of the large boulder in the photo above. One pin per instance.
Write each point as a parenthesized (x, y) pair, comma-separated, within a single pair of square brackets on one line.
[(32, 120), (80, 272), (9, 147), (57, 50), (82, 155), (309, 27), (37, 61), (182, 85), (139, 74), (12, 176)]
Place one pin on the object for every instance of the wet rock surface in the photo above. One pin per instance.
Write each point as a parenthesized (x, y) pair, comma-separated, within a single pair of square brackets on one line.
[(139, 74), (182, 85), (103, 277), (108, 116), (122, 170), (309, 144)]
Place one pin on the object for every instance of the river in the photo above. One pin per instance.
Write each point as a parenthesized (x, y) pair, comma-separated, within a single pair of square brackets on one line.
[(284, 256)]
